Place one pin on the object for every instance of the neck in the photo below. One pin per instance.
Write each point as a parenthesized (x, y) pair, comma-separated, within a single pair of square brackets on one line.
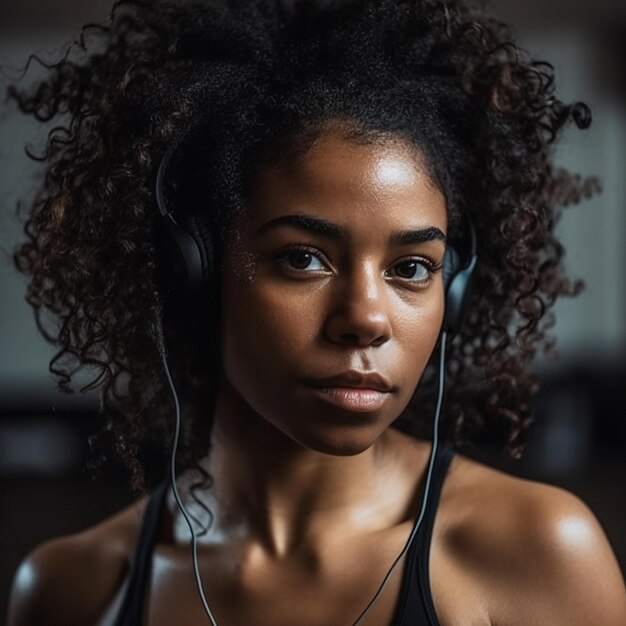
[(278, 494)]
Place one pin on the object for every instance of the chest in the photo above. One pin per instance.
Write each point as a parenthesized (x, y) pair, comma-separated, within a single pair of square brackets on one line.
[(329, 591), (316, 592), (292, 595), (313, 591)]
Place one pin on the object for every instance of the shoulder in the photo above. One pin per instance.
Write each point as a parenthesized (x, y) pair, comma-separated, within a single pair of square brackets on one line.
[(538, 549), (73, 579)]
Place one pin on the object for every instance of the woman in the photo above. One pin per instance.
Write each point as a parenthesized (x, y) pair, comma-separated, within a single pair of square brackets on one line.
[(274, 202)]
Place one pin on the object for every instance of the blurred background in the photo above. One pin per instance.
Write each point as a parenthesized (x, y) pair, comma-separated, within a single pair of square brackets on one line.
[(579, 439)]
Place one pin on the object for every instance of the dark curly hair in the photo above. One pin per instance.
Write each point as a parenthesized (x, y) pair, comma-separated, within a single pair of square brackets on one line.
[(240, 83)]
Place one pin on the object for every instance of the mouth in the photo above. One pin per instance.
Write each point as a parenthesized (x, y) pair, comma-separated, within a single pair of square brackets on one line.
[(354, 380), (352, 398), (353, 390)]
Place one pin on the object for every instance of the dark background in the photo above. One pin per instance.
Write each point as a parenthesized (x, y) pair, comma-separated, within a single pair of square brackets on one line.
[(579, 440)]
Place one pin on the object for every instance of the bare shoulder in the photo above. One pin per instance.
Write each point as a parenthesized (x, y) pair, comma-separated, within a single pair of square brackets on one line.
[(538, 549), (72, 579)]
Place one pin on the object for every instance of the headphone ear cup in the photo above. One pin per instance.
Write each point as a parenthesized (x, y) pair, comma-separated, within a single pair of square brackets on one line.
[(201, 273), (183, 260), (187, 255), (186, 262), (451, 265), (457, 284)]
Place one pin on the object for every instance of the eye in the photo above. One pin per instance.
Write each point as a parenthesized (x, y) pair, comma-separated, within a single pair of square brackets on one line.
[(301, 259), (415, 270)]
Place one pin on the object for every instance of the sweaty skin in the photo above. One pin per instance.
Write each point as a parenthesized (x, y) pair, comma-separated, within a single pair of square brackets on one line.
[(335, 268)]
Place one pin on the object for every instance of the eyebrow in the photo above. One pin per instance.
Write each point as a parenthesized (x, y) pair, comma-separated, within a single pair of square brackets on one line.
[(334, 231), (422, 235)]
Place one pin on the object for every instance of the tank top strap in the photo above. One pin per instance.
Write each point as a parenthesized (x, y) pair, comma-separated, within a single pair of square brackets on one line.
[(440, 470), (131, 610), (415, 605)]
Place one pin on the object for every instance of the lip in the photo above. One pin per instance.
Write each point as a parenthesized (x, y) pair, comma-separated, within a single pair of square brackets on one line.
[(354, 379), (354, 399), (352, 390)]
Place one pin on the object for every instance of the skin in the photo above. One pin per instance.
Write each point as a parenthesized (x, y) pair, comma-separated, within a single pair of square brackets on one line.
[(313, 501)]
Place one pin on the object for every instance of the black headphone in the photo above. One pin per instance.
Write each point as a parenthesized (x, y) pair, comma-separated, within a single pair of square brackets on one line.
[(192, 242)]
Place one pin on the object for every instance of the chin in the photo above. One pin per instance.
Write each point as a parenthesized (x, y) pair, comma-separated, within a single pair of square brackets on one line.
[(345, 442)]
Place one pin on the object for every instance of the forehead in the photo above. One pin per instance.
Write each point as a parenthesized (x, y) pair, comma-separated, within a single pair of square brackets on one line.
[(385, 181)]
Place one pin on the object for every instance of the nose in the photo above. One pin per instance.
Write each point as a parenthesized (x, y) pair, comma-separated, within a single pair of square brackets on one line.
[(360, 312)]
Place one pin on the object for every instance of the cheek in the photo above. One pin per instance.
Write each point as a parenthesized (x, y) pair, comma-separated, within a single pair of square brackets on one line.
[(417, 331), (265, 331)]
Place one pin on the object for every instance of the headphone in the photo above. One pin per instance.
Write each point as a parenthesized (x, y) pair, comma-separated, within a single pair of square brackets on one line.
[(191, 241)]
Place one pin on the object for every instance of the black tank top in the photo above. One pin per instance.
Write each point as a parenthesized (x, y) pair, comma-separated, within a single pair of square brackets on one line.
[(415, 604)]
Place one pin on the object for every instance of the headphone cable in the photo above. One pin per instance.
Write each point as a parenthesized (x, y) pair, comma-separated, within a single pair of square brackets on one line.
[(428, 479), (194, 540), (172, 476)]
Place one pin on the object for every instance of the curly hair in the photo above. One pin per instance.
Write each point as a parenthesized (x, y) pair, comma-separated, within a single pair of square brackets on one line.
[(246, 82)]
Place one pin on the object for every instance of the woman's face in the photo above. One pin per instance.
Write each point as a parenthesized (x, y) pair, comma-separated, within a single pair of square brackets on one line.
[(334, 274)]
